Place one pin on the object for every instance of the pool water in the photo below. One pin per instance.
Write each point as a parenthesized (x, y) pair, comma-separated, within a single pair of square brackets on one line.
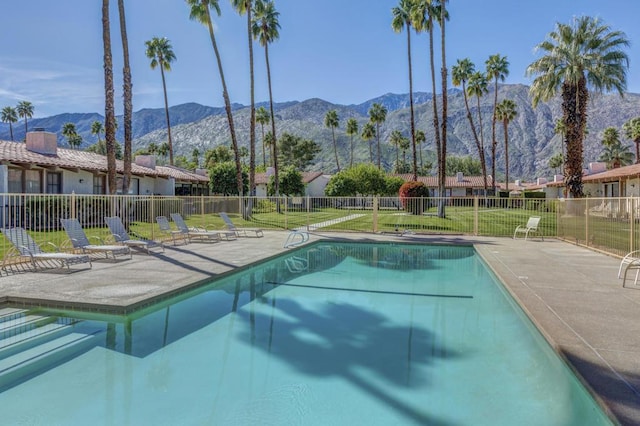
[(332, 334)]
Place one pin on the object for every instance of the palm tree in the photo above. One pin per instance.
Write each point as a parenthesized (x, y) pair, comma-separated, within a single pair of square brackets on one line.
[(631, 131), (109, 111), (616, 155), (401, 19), (587, 54), (506, 112), (444, 73), (9, 115), (331, 121), (265, 28), (610, 136), (368, 133), (25, 110), (269, 142), (478, 88), (200, 12), (96, 129), (73, 138), (378, 115), (352, 130), (245, 7), (127, 95), (555, 162), (159, 50), (395, 139), (497, 69), (262, 117)]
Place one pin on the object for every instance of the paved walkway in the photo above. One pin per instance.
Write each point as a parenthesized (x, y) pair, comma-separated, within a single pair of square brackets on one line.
[(571, 293)]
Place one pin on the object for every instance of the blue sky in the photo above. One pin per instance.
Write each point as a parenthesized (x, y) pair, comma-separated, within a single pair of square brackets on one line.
[(343, 51)]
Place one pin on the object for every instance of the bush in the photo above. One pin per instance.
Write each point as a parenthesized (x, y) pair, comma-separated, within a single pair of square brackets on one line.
[(412, 196)]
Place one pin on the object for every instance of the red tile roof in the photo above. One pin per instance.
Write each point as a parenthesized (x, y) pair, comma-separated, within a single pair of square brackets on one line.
[(614, 174), (262, 178), (451, 181)]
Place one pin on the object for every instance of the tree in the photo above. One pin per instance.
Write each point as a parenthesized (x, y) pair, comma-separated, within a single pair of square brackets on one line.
[(378, 115), (497, 70), (468, 165), (245, 7), (160, 52), (395, 139), (555, 162), (584, 55), (127, 95), (368, 133), (109, 111), (269, 142), (461, 74), (200, 11), (73, 138), (100, 147), (265, 28), (296, 151), (506, 112), (610, 136), (25, 110), (331, 121), (9, 115), (222, 179), (442, 152), (291, 182), (478, 87), (631, 131), (195, 157), (616, 155), (96, 129), (402, 19), (262, 118), (351, 130), (219, 154), (363, 179)]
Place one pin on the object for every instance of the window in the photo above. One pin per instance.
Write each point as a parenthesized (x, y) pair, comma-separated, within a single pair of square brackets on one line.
[(98, 184), (25, 181), (134, 186), (54, 183), (15, 181)]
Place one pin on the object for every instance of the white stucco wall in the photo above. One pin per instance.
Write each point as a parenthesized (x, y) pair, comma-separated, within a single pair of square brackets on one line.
[(159, 186), (80, 183), (315, 188)]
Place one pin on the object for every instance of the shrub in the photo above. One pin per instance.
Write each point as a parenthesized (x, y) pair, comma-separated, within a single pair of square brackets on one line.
[(411, 196)]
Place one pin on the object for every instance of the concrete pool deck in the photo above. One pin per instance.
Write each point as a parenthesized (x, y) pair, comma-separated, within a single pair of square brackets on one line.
[(571, 293)]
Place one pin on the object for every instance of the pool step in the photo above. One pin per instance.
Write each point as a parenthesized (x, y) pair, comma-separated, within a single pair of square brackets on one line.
[(23, 322), (30, 362), (31, 338), (7, 314)]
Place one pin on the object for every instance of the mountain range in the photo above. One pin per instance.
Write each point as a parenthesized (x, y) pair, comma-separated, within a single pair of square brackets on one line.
[(532, 141)]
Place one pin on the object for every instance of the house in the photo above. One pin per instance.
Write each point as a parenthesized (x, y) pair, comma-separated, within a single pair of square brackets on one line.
[(455, 186), (39, 166), (315, 182)]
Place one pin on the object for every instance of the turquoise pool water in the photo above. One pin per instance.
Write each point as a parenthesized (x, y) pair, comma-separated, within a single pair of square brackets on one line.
[(333, 334)]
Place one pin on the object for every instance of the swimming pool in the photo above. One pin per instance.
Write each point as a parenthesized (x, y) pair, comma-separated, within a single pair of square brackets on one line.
[(340, 334)]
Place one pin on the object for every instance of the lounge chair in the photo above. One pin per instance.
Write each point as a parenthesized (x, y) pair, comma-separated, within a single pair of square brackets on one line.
[(27, 247), (121, 236), (630, 261), (165, 228), (79, 240), (199, 233), (240, 232), (530, 228)]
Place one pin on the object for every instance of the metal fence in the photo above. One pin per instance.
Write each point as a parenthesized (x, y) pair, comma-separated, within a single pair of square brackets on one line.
[(607, 224)]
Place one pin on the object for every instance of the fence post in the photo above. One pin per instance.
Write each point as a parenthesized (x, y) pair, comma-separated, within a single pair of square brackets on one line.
[(476, 209), (73, 204), (153, 217), (204, 225), (375, 213), (286, 202), (586, 222), (308, 212), (632, 223)]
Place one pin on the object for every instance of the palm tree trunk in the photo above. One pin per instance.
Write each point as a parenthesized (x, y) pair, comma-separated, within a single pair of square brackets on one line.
[(109, 113), (371, 151), (227, 105), (335, 146), (351, 161), (128, 99), (506, 153), (378, 139), (483, 160), (443, 74), (573, 101), (637, 141), (273, 126), (264, 153), (494, 142), (166, 114), (413, 125), (11, 132), (436, 119), (252, 127)]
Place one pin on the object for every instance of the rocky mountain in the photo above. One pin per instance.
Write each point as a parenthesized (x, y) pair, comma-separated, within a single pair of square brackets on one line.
[(531, 135)]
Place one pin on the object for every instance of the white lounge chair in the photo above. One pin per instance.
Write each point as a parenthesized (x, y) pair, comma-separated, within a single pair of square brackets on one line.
[(199, 233), (530, 228), (165, 227), (121, 236), (79, 240), (27, 247), (240, 232), (630, 261)]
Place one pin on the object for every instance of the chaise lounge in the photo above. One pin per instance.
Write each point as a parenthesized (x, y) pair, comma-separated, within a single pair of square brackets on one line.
[(121, 236), (240, 232), (80, 241)]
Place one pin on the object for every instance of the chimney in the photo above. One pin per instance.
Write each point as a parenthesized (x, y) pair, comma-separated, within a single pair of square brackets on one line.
[(42, 142), (202, 172), (459, 177), (148, 161), (541, 181), (517, 183), (558, 178), (597, 167), (270, 171)]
